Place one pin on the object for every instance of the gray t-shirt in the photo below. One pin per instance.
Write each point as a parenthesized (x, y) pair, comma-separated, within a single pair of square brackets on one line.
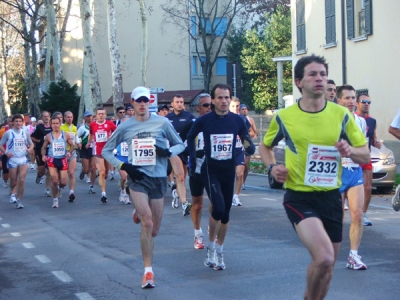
[(139, 136)]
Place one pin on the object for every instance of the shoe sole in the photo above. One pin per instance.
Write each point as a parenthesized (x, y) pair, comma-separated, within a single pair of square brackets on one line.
[(148, 285), (219, 268), (199, 247), (210, 265), (187, 210), (357, 269), (71, 198)]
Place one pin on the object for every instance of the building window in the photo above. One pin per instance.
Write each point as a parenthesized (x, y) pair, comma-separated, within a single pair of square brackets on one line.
[(202, 62), (205, 24), (300, 25), (193, 27), (220, 66), (359, 18), (330, 22), (194, 65), (220, 26)]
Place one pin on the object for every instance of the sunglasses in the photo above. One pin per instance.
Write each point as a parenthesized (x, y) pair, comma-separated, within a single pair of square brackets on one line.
[(121, 112), (206, 104), (142, 99), (365, 102), (331, 90)]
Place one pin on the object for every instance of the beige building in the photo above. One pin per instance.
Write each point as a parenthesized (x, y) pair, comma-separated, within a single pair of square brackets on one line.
[(358, 40), (171, 61)]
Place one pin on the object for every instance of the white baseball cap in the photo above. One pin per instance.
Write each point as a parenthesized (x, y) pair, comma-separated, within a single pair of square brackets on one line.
[(33, 119), (140, 91)]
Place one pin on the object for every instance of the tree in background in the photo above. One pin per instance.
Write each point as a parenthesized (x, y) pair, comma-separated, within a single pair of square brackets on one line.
[(207, 23), (236, 43), (17, 94), (61, 97), (257, 62)]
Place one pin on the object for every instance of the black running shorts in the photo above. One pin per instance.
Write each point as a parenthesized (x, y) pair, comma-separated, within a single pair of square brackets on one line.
[(326, 206)]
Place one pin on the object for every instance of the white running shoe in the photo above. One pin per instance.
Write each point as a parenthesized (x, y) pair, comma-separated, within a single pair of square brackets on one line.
[(122, 197), (87, 179), (41, 180), (19, 204), (396, 199), (366, 221), (55, 203), (345, 205), (210, 257), (354, 262), (13, 199), (175, 199), (5, 184), (236, 201), (186, 207), (47, 193), (127, 199), (219, 261), (199, 241)]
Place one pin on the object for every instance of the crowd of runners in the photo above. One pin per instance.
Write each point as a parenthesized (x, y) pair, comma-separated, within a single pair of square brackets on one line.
[(154, 152)]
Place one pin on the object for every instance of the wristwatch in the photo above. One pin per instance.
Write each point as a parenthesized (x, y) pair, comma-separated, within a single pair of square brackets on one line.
[(269, 168)]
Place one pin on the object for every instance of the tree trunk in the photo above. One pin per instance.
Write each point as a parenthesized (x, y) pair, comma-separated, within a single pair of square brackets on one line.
[(47, 64), (55, 39), (86, 97), (4, 99), (144, 41), (27, 48), (118, 93), (86, 17)]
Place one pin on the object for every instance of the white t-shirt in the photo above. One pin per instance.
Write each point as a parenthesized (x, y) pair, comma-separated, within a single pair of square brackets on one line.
[(396, 120)]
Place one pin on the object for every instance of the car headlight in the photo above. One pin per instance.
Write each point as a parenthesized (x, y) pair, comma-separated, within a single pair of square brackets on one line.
[(389, 160)]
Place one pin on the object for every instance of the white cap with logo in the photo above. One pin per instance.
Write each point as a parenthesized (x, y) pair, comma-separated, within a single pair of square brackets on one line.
[(140, 91)]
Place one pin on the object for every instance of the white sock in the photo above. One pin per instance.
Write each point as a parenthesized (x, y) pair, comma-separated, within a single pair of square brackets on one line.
[(71, 192), (219, 248), (235, 195), (148, 269), (55, 199), (198, 232), (354, 252), (103, 194), (212, 245)]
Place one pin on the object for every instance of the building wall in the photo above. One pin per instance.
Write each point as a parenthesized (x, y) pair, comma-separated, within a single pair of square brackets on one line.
[(168, 59), (371, 63)]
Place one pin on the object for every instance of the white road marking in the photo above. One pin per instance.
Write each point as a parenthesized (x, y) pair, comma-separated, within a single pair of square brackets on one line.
[(380, 219), (6, 225), (379, 206), (28, 245), (269, 199), (15, 234), (84, 296), (258, 188), (43, 259), (62, 276)]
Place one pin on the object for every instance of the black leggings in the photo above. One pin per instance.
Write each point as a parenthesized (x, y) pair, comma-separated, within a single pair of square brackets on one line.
[(4, 161), (219, 184)]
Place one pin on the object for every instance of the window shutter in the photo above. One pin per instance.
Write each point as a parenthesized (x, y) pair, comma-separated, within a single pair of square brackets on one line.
[(330, 22), (300, 25), (368, 16), (350, 19)]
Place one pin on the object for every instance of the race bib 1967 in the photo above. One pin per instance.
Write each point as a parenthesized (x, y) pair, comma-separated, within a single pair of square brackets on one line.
[(221, 146)]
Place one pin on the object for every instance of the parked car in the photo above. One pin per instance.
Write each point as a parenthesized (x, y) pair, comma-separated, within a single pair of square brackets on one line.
[(383, 168)]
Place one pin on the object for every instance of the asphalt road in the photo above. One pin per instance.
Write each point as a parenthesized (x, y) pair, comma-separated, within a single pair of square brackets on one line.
[(88, 250)]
